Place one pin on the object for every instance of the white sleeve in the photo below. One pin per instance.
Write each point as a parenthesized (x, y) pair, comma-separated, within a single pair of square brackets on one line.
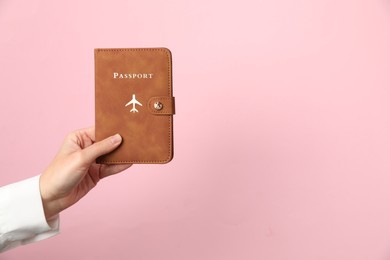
[(22, 219)]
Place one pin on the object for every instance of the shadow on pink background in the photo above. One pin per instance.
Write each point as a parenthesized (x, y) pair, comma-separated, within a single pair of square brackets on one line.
[(282, 131)]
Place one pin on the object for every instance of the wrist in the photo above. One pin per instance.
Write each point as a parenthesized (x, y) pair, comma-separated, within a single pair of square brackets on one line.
[(50, 205), (50, 208)]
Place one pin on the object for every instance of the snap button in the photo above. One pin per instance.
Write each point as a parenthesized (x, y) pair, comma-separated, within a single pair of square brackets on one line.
[(161, 105), (158, 105)]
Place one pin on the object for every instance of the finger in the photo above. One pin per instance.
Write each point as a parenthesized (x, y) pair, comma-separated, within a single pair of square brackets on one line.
[(85, 140), (87, 135), (97, 149), (107, 170), (90, 132)]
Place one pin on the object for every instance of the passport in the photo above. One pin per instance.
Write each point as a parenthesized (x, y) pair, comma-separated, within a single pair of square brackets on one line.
[(134, 97)]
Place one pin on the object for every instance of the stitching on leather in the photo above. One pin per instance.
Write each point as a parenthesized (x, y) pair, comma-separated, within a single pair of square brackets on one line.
[(169, 91), (133, 49)]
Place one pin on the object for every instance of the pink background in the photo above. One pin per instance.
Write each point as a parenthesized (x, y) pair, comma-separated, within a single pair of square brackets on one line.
[(282, 131)]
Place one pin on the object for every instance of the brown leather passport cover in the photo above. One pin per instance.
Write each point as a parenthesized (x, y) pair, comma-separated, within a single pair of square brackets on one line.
[(133, 97)]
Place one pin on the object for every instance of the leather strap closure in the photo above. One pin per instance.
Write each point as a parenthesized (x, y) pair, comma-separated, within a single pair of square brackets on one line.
[(162, 105)]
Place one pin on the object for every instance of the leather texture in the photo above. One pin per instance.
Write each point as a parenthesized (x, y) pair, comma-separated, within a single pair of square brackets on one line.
[(133, 97)]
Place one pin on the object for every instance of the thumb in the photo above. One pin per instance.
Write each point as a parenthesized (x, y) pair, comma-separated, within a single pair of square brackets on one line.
[(102, 147)]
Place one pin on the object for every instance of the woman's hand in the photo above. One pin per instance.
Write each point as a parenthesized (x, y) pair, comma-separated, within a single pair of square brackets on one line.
[(73, 172)]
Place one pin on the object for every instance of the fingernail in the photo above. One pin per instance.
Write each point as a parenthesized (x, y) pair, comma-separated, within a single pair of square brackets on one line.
[(116, 139)]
